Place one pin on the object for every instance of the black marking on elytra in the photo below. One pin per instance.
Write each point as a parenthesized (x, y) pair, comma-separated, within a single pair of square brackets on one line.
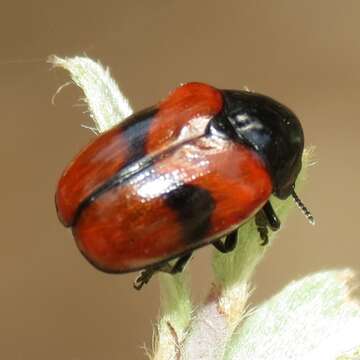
[(134, 129), (193, 206)]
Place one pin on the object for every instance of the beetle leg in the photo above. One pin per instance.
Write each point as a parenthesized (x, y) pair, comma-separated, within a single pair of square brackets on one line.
[(229, 244), (144, 277), (261, 224), (264, 218), (146, 274), (271, 216), (179, 265)]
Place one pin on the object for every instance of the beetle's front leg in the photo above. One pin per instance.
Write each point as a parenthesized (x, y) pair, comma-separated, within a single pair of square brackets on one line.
[(271, 216), (264, 218)]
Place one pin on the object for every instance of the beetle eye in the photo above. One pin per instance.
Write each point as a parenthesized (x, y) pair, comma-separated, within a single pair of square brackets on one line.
[(302, 207)]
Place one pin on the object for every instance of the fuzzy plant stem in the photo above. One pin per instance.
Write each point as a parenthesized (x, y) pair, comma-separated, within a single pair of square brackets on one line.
[(316, 317)]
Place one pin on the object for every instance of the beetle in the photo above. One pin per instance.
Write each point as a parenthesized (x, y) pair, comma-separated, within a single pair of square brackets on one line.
[(178, 176)]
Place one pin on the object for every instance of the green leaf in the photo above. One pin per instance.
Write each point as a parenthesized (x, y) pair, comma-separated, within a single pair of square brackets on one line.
[(312, 318)]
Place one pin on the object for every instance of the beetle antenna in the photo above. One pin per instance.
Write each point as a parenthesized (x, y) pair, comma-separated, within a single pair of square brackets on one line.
[(302, 207)]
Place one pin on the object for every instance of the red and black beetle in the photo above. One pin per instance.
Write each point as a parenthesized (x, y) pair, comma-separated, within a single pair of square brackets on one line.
[(178, 176)]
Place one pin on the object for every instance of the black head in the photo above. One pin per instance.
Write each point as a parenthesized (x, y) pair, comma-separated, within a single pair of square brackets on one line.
[(271, 129)]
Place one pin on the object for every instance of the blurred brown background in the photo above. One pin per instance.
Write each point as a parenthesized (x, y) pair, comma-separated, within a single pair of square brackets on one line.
[(53, 305)]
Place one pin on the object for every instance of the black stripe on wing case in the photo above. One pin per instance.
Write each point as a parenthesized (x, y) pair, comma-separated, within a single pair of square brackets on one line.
[(194, 206), (134, 130)]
